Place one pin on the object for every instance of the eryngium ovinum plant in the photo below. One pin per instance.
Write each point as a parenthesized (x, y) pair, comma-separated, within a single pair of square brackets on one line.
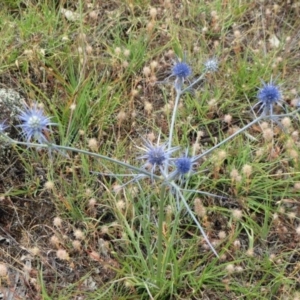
[(171, 166)]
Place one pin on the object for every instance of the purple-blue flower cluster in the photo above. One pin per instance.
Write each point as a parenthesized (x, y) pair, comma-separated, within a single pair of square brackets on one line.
[(34, 123), (156, 155), (268, 95), (181, 70), (183, 165), (159, 156)]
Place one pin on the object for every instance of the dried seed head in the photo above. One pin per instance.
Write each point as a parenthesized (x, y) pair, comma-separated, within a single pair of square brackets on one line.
[(92, 202), (204, 29), (237, 34), (153, 12), (72, 106), (234, 174), (153, 79), (118, 51), (212, 104), (223, 257), (62, 254), (268, 12), (122, 116), (276, 8), (295, 102), (292, 215), (117, 188), (286, 122), (146, 71), (228, 119), (79, 235), (237, 214), (57, 221), (35, 251), (134, 92), (54, 240), (153, 64), (237, 244), (260, 152), (230, 268), (88, 49), (125, 64), (128, 284), (293, 153), (239, 269), (150, 26), (76, 245), (295, 135), (268, 134), (120, 205), (297, 185), (214, 14), (272, 257), (3, 270), (222, 235), (126, 52), (94, 255), (264, 125), (222, 154), (88, 192), (289, 144), (93, 15), (148, 107), (49, 185), (151, 136), (250, 252), (93, 144), (247, 170), (199, 209), (104, 229)]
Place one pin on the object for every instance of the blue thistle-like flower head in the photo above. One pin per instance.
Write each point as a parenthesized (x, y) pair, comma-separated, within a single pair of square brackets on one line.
[(181, 70), (157, 155), (211, 65), (183, 165), (34, 123), (268, 95)]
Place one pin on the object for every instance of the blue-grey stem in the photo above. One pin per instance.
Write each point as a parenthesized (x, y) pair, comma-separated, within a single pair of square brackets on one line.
[(241, 130), (195, 219), (228, 138), (205, 193), (178, 95), (115, 161), (193, 83)]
